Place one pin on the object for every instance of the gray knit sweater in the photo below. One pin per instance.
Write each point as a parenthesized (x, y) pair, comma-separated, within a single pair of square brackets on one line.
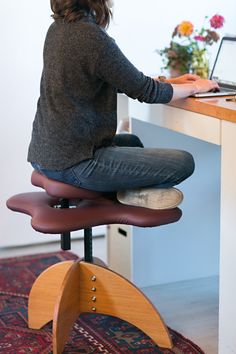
[(76, 112)]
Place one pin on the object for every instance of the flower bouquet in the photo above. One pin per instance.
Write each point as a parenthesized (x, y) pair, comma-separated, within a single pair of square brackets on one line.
[(188, 48)]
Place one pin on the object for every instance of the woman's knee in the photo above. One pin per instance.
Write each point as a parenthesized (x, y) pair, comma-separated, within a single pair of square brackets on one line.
[(127, 140), (188, 163)]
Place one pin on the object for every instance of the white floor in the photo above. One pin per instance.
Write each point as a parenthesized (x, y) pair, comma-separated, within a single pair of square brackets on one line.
[(189, 307)]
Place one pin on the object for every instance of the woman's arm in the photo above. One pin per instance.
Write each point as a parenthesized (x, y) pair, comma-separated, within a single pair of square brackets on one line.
[(198, 86), (189, 84), (113, 67)]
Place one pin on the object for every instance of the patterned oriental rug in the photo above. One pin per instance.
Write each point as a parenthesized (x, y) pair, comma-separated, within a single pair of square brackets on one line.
[(92, 333)]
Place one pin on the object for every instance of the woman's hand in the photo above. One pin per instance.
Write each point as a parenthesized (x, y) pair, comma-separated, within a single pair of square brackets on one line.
[(183, 79), (204, 85), (188, 84), (192, 87)]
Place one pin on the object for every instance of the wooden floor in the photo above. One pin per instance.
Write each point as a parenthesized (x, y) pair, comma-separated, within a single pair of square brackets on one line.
[(191, 308)]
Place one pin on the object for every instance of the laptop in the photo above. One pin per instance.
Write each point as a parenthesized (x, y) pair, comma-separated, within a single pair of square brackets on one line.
[(224, 69)]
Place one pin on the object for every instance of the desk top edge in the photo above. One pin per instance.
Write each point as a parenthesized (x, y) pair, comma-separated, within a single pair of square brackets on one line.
[(216, 107)]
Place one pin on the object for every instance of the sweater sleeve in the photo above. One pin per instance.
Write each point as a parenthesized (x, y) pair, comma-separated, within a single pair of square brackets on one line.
[(113, 67)]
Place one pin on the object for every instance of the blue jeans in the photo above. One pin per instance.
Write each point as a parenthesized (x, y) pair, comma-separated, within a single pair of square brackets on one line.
[(126, 165)]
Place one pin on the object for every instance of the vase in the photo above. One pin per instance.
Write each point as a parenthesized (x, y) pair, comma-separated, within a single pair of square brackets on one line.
[(174, 72), (200, 64)]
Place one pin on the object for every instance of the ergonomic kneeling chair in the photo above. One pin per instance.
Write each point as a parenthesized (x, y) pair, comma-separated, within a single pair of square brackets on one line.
[(65, 290)]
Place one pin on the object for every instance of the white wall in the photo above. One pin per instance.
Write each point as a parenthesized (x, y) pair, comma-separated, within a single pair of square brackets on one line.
[(141, 27), (22, 29), (138, 29)]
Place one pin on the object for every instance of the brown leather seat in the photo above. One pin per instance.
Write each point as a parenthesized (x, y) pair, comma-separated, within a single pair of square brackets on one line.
[(90, 210)]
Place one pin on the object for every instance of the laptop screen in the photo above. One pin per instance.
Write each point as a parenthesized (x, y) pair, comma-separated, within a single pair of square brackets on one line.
[(224, 70)]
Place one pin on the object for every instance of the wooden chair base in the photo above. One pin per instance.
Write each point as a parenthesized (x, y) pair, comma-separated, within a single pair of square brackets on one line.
[(65, 290)]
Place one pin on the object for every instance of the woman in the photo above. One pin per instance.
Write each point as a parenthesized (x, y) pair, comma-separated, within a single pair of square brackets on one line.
[(73, 137)]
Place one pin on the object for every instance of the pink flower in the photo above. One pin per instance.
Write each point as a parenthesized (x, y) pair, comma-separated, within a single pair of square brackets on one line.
[(217, 21), (199, 38)]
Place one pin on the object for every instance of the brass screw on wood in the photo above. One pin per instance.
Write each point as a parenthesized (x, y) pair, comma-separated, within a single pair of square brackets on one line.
[(94, 298), (93, 278), (94, 309), (93, 288)]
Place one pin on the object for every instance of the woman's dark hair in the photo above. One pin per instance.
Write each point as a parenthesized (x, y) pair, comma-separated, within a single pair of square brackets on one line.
[(71, 10)]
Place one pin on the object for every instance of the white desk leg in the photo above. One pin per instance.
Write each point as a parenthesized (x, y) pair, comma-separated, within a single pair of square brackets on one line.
[(227, 310)]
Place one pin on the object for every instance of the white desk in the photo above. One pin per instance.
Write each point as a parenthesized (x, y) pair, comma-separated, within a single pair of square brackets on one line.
[(208, 128)]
